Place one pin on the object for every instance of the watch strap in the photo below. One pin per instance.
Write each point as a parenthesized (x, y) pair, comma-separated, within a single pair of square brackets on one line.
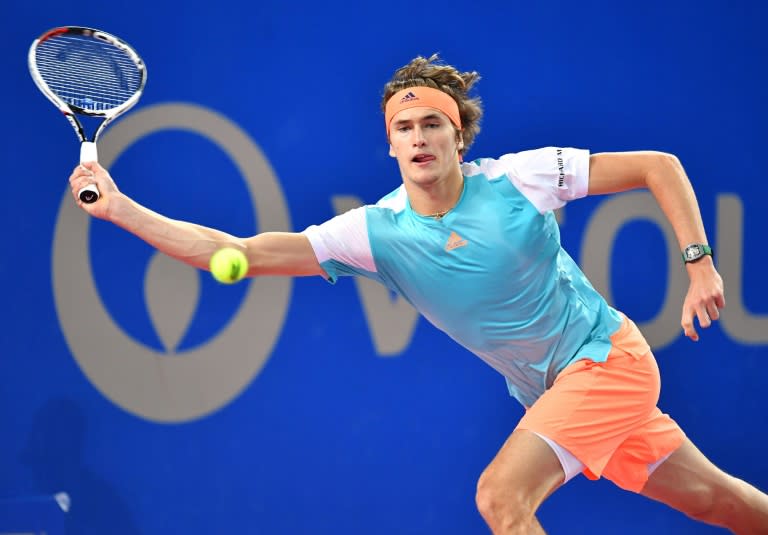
[(702, 250)]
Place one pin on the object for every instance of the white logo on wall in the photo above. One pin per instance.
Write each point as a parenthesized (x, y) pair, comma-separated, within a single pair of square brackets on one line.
[(138, 378)]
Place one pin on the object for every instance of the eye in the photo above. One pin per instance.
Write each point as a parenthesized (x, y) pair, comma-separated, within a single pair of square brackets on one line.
[(403, 129), (433, 125)]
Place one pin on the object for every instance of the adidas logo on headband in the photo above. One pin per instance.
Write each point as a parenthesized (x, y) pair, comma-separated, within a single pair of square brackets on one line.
[(419, 96)]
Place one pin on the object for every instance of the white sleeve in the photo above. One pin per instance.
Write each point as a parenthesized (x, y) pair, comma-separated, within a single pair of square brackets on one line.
[(549, 177), (341, 244)]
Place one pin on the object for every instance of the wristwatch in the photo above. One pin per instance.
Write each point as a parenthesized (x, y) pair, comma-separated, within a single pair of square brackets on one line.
[(695, 251)]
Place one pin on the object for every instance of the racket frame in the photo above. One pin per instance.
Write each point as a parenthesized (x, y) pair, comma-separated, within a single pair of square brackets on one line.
[(71, 111)]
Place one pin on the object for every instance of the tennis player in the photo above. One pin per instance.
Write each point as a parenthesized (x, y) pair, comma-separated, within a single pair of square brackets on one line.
[(474, 246)]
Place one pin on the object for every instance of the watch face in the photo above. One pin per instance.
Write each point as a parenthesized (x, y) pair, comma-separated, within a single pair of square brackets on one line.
[(692, 252)]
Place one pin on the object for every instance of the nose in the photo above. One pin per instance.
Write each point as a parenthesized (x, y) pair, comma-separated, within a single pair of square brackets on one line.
[(419, 140)]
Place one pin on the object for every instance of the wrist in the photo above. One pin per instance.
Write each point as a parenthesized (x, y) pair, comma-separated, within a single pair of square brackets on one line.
[(120, 210), (695, 252), (705, 263)]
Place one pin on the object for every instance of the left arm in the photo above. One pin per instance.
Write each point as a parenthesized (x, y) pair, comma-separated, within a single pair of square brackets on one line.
[(665, 177)]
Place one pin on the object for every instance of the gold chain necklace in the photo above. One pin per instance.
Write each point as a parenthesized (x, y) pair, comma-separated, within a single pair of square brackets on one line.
[(440, 214)]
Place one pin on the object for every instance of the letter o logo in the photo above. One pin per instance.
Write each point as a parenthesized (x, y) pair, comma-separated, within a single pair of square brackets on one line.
[(139, 379)]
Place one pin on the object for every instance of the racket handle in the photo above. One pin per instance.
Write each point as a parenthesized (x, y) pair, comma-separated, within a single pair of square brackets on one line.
[(88, 153)]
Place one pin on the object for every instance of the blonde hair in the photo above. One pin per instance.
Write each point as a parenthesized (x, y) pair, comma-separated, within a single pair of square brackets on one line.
[(432, 72)]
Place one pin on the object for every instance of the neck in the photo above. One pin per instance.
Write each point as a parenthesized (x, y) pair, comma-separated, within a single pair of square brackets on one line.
[(436, 198)]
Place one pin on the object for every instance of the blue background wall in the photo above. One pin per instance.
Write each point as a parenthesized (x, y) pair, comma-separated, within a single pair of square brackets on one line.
[(278, 406)]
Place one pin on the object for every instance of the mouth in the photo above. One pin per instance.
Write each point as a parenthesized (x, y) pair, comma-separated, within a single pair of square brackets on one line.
[(423, 159)]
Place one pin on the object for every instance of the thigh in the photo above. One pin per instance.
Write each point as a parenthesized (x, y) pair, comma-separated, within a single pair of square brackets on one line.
[(524, 468), (687, 481), (593, 407), (636, 457)]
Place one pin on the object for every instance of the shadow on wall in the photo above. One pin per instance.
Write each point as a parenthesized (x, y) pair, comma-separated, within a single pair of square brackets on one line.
[(53, 453)]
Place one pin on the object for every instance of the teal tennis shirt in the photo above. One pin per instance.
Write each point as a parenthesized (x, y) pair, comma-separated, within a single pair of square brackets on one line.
[(491, 273)]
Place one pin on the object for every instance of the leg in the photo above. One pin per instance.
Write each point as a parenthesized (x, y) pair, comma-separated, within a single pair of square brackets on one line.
[(521, 476), (689, 482)]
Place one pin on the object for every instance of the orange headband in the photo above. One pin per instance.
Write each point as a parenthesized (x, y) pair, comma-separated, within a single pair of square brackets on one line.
[(411, 97)]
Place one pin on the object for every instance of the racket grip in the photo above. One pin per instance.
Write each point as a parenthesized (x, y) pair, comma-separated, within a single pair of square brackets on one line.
[(88, 153)]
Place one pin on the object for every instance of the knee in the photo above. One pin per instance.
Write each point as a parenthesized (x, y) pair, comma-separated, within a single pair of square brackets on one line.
[(715, 503), (486, 497), (502, 505), (701, 502)]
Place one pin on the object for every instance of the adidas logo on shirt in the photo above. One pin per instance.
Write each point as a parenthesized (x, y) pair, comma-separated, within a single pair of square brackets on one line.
[(454, 242)]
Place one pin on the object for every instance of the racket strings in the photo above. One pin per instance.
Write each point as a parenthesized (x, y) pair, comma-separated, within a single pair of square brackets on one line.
[(88, 73)]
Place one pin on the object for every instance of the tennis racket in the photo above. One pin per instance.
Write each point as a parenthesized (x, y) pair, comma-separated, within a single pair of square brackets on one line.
[(87, 72)]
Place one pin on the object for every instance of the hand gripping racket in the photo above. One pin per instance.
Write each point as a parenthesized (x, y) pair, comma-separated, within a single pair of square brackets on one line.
[(90, 73)]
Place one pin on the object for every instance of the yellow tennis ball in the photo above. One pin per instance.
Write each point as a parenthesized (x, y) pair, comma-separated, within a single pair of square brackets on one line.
[(228, 265)]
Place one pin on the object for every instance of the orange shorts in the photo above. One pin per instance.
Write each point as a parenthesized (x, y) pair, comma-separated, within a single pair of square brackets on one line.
[(605, 414)]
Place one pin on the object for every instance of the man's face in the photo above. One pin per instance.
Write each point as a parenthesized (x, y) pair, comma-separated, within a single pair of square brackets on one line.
[(425, 143)]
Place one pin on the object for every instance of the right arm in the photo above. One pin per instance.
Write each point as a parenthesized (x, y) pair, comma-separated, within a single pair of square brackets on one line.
[(269, 253)]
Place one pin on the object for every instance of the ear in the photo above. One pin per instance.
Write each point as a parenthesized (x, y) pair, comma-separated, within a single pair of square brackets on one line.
[(459, 140), (392, 151)]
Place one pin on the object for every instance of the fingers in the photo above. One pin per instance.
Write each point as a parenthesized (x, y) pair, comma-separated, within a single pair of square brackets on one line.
[(92, 174), (713, 311), (720, 301), (92, 166), (82, 169), (704, 300), (706, 312), (705, 320), (81, 177), (688, 328), (88, 167)]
